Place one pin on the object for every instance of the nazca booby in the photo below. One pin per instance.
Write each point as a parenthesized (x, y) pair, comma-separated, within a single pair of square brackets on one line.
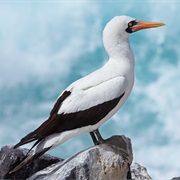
[(90, 101)]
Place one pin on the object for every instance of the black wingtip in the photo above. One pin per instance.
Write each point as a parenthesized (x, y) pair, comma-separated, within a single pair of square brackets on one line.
[(27, 139), (16, 146)]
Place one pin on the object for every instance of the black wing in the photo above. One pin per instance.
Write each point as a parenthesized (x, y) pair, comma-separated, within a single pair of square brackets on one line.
[(47, 127)]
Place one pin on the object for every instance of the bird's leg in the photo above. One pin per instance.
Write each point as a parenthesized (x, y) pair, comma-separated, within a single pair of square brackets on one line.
[(100, 139), (94, 138)]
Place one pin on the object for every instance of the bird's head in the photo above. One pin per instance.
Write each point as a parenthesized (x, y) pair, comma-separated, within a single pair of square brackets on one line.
[(118, 29)]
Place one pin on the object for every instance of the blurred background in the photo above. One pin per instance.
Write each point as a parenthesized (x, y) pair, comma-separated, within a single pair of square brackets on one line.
[(46, 45)]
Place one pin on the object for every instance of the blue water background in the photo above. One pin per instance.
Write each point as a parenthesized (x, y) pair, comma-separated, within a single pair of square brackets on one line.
[(46, 45)]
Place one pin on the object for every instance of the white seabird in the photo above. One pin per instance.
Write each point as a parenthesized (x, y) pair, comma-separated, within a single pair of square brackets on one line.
[(90, 101)]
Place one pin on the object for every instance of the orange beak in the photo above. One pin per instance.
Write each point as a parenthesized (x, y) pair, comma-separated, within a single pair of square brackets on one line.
[(145, 25)]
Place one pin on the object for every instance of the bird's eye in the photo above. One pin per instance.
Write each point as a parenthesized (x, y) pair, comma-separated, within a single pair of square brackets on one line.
[(130, 24)]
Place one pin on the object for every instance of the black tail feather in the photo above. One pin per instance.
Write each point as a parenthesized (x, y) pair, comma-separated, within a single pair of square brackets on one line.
[(34, 145), (28, 160)]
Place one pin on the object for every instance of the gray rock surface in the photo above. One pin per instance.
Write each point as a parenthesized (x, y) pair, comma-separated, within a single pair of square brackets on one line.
[(10, 157), (108, 161), (139, 172)]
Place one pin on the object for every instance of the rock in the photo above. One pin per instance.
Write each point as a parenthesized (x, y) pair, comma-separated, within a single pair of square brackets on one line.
[(109, 161), (176, 178), (139, 172), (10, 157)]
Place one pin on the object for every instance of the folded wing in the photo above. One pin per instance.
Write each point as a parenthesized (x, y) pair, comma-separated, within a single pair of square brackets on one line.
[(79, 108)]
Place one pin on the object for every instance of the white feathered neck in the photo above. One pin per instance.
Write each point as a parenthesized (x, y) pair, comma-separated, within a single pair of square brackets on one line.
[(116, 39)]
